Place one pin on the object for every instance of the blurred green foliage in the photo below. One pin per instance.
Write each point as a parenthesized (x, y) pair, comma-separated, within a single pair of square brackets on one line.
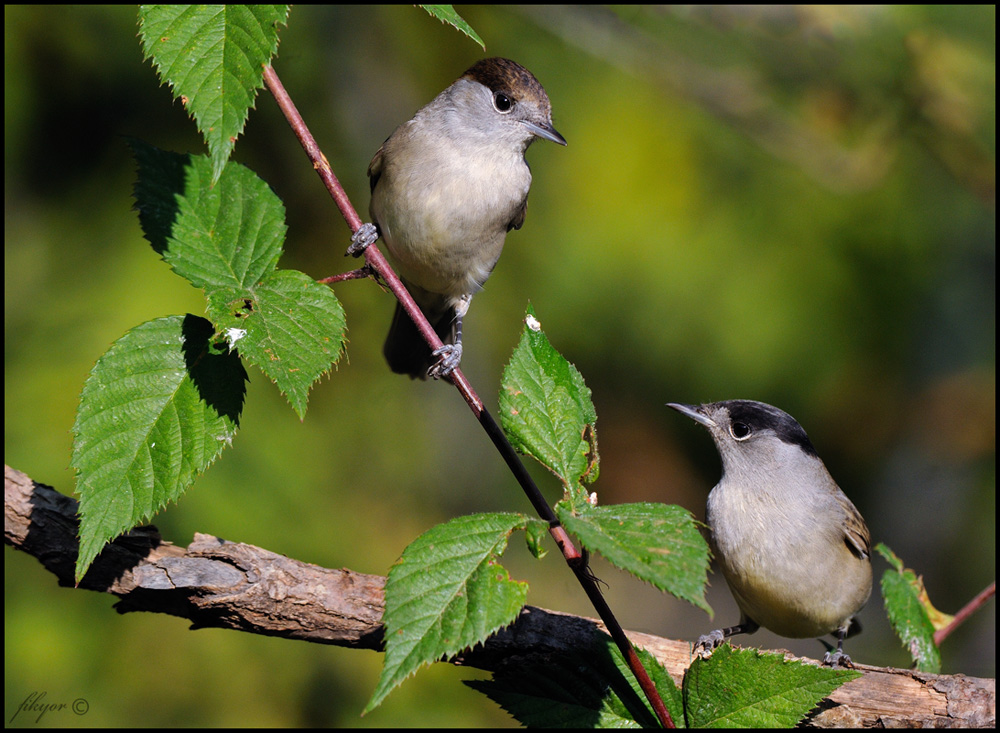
[(790, 204)]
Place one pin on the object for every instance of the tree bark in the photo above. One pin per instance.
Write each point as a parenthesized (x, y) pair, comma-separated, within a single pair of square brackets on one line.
[(221, 584)]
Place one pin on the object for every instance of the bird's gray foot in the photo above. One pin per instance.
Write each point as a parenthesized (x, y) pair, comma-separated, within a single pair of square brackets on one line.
[(449, 356), (707, 644), (362, 239)]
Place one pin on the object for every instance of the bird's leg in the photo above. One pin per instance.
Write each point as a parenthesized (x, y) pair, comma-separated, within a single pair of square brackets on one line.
[(450, 355), (706, 644), (838, 658)]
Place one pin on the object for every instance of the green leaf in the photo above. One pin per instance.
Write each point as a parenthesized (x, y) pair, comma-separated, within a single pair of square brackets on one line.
[(909, 611), (746, 688), (446, 593), (447, 14), (288, 325), (545, 408), (156, 410), (227, 238), (591, 687), (657, 543), (535, 534), (213, 58), (223, 235)]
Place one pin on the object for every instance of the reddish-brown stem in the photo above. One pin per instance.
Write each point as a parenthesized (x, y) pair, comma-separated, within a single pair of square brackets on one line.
[(349, 275), (375, 262), (971, 607)]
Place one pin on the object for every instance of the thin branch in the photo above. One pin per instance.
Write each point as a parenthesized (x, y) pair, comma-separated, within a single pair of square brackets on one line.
[(361, 272), (375, 260), (962, 616), (214, 583)]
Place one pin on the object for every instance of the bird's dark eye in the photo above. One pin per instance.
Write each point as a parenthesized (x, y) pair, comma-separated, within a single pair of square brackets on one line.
[(502, 102), (740, 430)]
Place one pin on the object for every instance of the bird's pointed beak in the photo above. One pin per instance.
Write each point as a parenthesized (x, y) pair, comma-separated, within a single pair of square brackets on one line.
[(546, 131), (694, 412)]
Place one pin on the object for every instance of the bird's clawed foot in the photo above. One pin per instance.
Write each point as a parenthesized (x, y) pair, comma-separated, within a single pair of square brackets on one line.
[(362, 239), (449, 356)]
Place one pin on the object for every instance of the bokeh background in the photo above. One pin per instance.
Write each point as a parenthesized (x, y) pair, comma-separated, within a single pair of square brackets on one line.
[(788, 204)]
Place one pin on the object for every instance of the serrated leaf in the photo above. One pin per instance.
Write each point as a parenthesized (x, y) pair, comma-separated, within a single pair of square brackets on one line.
[(591, 687), (288, 325), (546, 410), (213, 58), (227, 238), (906, 604), (447, 14), (223, 235), (446, 593), (535, 533), (157, 409), (658, 543), (746, 688)]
